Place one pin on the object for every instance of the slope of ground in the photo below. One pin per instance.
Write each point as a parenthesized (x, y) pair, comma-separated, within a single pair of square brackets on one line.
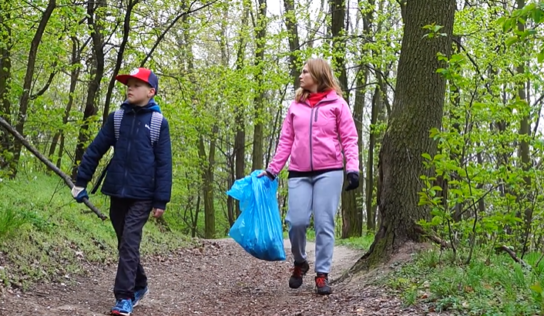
[(215, 278)]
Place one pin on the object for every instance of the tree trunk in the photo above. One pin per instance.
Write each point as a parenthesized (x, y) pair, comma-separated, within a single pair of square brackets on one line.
[(97, 72), (6, 140), (352, 217), (74, 76), (230, 201), (369, 198), (239, 120), (368, 19), (230, 157), (294, 45), (417, 108), (258, 129), (194, 227), (338, 33), (207, 183), (358, 111), (27, 84), (524, 151), (121, 52)]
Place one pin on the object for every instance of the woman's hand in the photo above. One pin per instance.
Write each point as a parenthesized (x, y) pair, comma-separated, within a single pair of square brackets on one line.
[(268, 174), (353, 179)]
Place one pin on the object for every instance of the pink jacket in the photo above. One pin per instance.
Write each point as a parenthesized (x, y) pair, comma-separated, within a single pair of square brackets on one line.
[(314, 137)]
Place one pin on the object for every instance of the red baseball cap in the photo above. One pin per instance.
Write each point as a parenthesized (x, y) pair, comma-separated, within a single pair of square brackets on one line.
[(142, 74)]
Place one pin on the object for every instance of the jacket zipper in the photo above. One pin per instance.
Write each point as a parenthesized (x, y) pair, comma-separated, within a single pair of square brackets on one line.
[(311, 151), (128, 152), (312, 115)]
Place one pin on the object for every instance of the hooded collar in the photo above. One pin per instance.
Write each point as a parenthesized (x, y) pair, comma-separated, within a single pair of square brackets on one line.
[(151, 106), (329, 97)]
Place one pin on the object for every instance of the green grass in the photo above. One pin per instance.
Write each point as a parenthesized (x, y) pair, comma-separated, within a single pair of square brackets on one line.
[(45, 234), (359, 243), (486, 286), (310, 234)]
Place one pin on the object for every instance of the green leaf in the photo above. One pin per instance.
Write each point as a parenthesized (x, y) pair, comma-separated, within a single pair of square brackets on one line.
[(511, 40), (507, 25), (536, 287), (540, 56), (436, 188)]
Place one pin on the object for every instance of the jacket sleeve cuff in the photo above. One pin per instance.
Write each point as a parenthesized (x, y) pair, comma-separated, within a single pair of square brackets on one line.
[(271, 173), (81, 183), (159, 204)]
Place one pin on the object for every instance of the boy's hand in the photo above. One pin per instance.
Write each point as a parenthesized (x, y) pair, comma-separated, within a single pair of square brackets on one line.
[(79, 193), (157, 212)]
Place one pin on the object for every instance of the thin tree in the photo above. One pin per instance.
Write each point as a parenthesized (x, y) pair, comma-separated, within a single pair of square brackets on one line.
[(6, 140), (94, 20), (258, 128), (27, 84), (294, 45)]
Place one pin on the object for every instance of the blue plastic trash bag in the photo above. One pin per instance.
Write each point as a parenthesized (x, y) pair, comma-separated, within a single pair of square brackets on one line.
[(258, 228)]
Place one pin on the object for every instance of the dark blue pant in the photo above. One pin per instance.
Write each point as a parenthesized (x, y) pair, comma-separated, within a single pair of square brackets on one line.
[(128, 217)]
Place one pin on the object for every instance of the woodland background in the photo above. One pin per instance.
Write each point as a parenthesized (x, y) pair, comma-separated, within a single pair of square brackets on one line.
[(446, 96)]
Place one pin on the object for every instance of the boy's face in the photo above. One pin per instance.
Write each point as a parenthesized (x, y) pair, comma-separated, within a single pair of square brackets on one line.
[(139, 92)]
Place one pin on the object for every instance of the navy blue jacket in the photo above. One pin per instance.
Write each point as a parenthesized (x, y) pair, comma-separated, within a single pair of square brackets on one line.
[(137, 170)]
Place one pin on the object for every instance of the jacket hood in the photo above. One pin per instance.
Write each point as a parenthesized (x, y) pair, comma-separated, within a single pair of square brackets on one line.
[(151, 106), (331, 96)]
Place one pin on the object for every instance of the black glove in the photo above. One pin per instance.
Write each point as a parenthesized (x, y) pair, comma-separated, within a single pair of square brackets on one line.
[(353, 179), (270, 175)]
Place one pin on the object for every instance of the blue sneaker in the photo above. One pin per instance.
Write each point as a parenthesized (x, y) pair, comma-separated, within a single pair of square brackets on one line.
[(122, 307), (139, 295)]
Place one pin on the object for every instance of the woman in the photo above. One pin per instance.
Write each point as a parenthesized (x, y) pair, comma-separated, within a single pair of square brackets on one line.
[(318, 131)]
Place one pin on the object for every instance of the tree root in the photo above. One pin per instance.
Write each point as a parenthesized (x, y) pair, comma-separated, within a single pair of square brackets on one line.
[(512, 254), (443, 244)]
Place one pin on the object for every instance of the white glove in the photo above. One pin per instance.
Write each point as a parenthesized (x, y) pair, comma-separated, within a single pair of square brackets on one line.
[(76, 191)]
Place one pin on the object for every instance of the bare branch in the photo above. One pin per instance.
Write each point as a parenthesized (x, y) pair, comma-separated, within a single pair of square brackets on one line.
[(163, 34), (49, 164), (44, 89), (513, 255)]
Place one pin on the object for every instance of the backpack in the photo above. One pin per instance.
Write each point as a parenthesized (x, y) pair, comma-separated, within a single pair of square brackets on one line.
[(154, 126), (154, 130)]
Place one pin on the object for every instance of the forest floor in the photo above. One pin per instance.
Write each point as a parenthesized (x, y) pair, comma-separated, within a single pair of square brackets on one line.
[(219, 278)]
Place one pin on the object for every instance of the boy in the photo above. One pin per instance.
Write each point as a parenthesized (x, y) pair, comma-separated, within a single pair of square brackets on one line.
[(139, 178)]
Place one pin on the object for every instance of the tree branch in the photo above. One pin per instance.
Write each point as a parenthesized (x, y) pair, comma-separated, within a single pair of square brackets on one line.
[(44, 89), (443, 244), (513, 255), (50, 165), (119, 61), (163, 34)]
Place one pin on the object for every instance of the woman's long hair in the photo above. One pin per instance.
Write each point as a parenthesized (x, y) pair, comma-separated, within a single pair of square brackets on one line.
[(321, 73)]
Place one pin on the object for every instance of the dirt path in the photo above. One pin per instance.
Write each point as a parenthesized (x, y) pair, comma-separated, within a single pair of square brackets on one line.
[(217, 278)]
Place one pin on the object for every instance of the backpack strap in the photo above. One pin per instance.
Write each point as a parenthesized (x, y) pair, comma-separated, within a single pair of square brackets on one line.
[(155, 127), (117, 117)]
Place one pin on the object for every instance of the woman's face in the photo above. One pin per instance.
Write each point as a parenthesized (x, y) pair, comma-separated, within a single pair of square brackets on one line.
[(306, 80)]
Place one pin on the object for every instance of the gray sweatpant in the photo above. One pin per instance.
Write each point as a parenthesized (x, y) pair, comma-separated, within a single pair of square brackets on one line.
[(319, 194)]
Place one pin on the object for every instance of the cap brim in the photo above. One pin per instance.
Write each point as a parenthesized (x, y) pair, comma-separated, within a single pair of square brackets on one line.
[(124, 78)]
